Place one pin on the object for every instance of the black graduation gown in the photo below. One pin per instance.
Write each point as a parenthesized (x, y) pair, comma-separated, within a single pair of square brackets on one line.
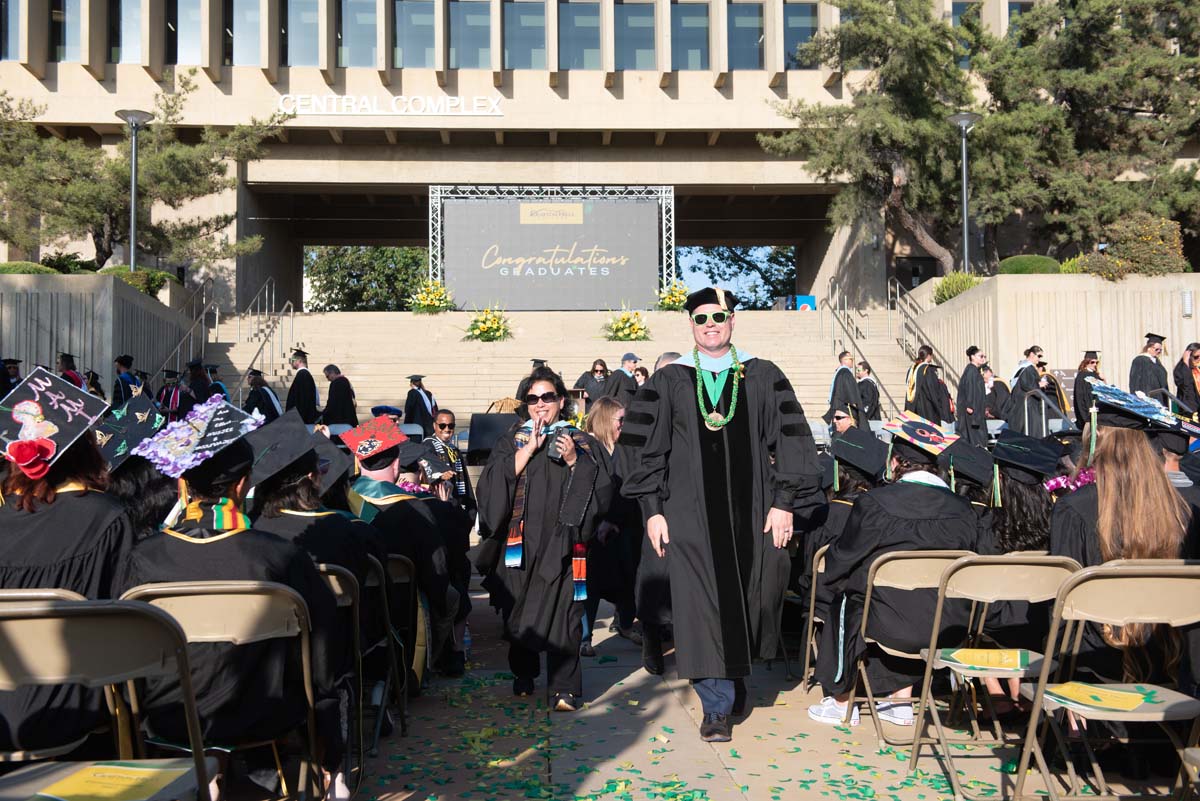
[(1027, 379), (622, 386), (415, 411), (561, 507), (1185, 385), (868, 390), (464, 492), (122, 392), (454, 524), (613, 565), (844, 395), (302, 396), (905, 516), (258, 400), (828, 532), (972, 394), (81, 542), (715, 488), (929, 397), (1082, 400), (175, 402), (339, 406), (254, 691), (592, 385), (999, 398), (202, 389), (1147, 374)]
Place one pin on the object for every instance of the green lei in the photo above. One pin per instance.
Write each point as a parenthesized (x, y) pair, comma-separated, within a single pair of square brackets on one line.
[(714, 419)]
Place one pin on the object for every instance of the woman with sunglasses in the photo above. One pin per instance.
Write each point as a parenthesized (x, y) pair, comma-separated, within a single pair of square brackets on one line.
[(541, 494), (1088, 368), (1187, 377), (593, 382)]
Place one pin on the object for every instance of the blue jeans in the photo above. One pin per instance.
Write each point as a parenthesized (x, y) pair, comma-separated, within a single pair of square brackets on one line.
[(716, 695)]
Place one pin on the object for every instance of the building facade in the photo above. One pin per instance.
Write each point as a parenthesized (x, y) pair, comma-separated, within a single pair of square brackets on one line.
[(391, 96)]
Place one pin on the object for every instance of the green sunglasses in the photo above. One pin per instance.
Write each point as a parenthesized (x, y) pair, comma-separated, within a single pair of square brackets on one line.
[(717, 317)]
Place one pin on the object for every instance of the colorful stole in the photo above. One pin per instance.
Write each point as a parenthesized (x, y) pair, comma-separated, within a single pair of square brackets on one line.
[(579, 570), (223, 515), (366, 495)]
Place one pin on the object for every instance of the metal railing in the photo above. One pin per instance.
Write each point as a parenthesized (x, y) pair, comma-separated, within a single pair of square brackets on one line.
[(1168, 399), (272, 338), (838, 304), (909, 335), (1046, 402), (850, 343), (200, 299), (261, 306), (190, 339)]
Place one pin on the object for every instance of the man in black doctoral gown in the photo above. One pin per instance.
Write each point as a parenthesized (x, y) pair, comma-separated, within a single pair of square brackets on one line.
[(420, 407), (843, 393), (716, 506), (339, 414), (262, 398), (303, 395), (621, 384), (1147, 373), (1083, 390), (972, 399)]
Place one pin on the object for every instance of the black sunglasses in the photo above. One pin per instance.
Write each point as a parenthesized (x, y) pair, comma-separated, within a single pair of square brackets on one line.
[(445, 426), (545, 397), (717, 317)]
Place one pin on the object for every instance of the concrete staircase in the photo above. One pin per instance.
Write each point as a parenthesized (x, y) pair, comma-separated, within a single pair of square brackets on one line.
[(377, 350)]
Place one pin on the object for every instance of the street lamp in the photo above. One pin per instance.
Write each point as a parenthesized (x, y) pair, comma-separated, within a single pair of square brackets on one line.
[(136, 120), (965, 120)]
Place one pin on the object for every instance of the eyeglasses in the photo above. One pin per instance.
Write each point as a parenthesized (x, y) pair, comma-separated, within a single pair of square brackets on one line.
[(1094, 361), (545, 397), (598, 371), (841, 417), (445, 426), (716, 317), (620, 420)]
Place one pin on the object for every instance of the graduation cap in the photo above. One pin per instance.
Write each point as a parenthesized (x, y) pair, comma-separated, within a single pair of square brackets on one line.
[(711, 295), (209, 428), (210, 368), (137, 420), (1067, 443), (1088, 355), (969, 462), (64, 355), (917, 439), (828, 470), (1121, 409), (195, 364), (41, 418), (862, 450), (332, 461), (90, 374), (1155, 339), (254, 373), (415, 378), (279, 444), (376, 411), (419, 457), (372, 437), (12, 362), (170, 373), (142, 374), (299, 352), (538, 363), (1175, 442), (1025, 459)]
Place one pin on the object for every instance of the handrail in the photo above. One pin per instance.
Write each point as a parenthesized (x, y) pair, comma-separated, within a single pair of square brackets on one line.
[(855, 348), (204, 293), (275, 325), (1045, 400), (263, 303), (1171, 399), (189, 339), (836, 299)]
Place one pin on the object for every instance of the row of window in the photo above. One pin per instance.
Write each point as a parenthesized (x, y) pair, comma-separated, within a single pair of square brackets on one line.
[(523, 33)]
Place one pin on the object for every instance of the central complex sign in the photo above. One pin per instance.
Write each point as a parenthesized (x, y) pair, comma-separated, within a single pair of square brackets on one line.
[(395, 105), (558, 254)]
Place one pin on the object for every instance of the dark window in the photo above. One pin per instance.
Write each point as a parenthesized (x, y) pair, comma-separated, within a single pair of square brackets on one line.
[(10, 29), (414, 33), (799, 27), (689, 36), (65, 17)]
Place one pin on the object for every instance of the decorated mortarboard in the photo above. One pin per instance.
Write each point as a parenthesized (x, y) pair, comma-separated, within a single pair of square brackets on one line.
[(966, 461), (126, 427), (425, 458), (862, 450), (711, 296), (209, 428), (1121, 409), (1025, 459), (277, 445), (377, 411), (43, 416), (1157, 339), (918, 439), (372, 437), (332, 461)]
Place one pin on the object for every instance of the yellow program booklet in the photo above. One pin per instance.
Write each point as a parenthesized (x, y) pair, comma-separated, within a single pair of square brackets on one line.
[(112, 781), (1081, 695), (987, 658)]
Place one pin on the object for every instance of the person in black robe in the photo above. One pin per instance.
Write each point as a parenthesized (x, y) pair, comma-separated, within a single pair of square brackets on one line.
[(68, 372), (302, 394), (442, 444), (716, 506), (1185, 377), (339, 406), (198, 381), (420, 407), (998, 397), (262, 398), (174, 399), (971, 404), (1082, 400), (1026, 411), (1147, 373), (916, 512), (12, 376), (540, 496), (126, 384), (79, 541), (969, 470), (621, 385), (592, 382), (868, 390), (926, 395), (843, 393)]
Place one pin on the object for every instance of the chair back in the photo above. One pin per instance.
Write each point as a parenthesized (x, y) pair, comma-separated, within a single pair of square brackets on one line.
[(342, 583), (401, 569), (819, 559), (236, 612), (48, 638), (1139, 592), (1016, 577), (412, 431)]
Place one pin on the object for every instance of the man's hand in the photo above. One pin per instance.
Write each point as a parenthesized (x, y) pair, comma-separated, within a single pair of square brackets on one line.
[(970, 410), (656, 530), (779, 523)]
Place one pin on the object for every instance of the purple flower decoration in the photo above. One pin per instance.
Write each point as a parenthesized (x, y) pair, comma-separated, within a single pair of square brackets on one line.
[(184, 444)]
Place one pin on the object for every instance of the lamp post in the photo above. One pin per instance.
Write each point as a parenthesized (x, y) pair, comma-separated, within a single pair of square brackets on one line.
[(136, 120), (965, 120)]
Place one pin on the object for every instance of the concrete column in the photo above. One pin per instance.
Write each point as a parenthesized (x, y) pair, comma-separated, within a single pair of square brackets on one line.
[(93, 36), (774, 57), (441, 41), (662, 40), (552, 41), (385, 33), (496, 31), (828, 16), (327, 38), (153, 35), (608, 42), (34, 36), (718, 40), (995, 16), (268, 38), (211, 30)]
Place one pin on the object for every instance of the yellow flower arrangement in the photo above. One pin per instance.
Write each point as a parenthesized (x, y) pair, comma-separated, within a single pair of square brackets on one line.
[(628, 326), (431, 297), (673, 296), (489, 325)]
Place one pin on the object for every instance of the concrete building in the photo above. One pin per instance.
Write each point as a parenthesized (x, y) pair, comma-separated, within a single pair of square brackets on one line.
[(391, 96)]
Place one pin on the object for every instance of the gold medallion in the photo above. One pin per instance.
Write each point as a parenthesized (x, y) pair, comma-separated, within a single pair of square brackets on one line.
[(715, 421)]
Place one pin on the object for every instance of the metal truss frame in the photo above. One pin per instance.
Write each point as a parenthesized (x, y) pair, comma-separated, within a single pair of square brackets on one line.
[(665, 195)]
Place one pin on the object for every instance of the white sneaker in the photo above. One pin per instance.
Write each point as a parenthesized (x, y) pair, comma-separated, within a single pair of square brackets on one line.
[(830, 712), (898, 713)]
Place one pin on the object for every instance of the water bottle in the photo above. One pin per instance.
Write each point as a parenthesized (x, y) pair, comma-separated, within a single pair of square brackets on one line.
[(466, 641)]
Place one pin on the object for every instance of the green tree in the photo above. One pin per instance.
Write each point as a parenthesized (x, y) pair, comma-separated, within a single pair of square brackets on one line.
[(364, 278), (771, 271)]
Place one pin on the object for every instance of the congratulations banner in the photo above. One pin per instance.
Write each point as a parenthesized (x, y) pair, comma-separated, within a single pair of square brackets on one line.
[(551, 255)]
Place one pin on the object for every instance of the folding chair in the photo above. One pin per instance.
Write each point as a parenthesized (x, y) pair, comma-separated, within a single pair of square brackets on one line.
[(820, 434), (1191, 761), (241, 613), (52, 637), (983, 580), (898, 570), (396, 682), (810, 642), (346, 591), (404, 573), (1116, 595)]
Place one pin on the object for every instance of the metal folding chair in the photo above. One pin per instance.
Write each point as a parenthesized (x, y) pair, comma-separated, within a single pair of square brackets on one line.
[(810, 630), (344, 587), (396, 681)]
